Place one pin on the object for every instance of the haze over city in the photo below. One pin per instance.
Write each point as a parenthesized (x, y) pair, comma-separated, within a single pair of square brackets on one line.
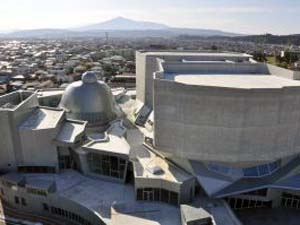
[(247, 17), (158, 112)]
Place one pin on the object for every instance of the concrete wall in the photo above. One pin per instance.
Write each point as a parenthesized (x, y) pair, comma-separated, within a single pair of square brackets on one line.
[(38, 148), (285, 73), (34, 204), (217, 68), (10, 119), (140, 76), (146, 65), (183, 189), (226, 125)]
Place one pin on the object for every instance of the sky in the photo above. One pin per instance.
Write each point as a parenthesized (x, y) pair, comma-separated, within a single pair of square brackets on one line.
[(240, 16)]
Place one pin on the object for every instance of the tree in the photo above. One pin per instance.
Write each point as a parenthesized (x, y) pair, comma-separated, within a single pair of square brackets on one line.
[(260, 56)]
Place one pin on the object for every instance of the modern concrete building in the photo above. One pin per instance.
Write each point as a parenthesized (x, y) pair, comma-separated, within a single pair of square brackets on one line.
[(230, 121), (201, 129)]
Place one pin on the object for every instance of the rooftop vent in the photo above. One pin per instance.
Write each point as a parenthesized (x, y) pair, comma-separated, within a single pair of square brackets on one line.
[(156, 170)]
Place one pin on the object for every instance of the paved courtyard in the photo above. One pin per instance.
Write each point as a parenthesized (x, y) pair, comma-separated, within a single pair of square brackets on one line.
[(269, 216)]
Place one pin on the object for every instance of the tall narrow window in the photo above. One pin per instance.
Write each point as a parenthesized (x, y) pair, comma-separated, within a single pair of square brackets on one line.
[(17, 201)]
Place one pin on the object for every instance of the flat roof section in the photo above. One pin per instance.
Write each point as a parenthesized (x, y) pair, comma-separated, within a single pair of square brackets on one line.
[(42, 118), (99, 196), (39, 183), (197, 215), (50, 92), (13, 177), (133, 215), (195, 53), (245, 81), (111, 145), (153, 166), (70, 131)]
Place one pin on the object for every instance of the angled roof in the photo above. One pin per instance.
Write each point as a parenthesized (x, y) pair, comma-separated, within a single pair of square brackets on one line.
[(70, 131), (111, 145), (251, 184), (210, 181), (291, 183), (42, 118), (148, 162), (192, 214)]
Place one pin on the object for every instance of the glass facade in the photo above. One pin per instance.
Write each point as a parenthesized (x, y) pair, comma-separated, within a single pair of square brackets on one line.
[(106, 165), (255, 171), (262, 170), (260, 192), (36, 169), (77, 219), (158, 195), (238, 203), (290, 200)]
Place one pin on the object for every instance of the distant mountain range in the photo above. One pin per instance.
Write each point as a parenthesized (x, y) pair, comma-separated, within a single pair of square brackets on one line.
[(121, 27), (121, 23), (117, 27)]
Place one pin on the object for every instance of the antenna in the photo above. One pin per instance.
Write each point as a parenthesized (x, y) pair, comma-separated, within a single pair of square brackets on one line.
[(107, 37)]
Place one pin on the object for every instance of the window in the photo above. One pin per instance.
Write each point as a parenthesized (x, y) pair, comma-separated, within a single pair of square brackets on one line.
[(156, 194), (260, 192), (263, 170), (164, 195), (254, 171), (107, 165), (17, 201), (290, 200), (250, 172), (45, 207), (67, 214), (23, 200), (36, 169), (139, 194), (237, 203), (218, 168), (173, 198)]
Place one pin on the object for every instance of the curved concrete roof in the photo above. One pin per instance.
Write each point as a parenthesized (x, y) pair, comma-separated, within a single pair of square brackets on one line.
[(243, 81), (90, 100)]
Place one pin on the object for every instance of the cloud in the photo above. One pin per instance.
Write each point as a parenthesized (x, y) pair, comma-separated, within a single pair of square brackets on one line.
[(227, 9)]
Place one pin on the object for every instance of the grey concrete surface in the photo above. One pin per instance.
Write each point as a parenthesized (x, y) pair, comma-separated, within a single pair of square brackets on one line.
[(278, 216)]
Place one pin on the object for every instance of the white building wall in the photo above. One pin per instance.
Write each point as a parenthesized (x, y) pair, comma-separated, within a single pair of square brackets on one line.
[(38, 148), (34, 204), (226, 125), (10, 119), (146, 65)]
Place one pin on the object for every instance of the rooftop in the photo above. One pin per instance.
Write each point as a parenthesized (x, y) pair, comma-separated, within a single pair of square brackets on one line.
[(70, 130), (153, 166), (39, 183), (196, 53), (191, 213), (244, 81), (42, 118), (15, 99), (50, 92), (112, 144), (97, 195)]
